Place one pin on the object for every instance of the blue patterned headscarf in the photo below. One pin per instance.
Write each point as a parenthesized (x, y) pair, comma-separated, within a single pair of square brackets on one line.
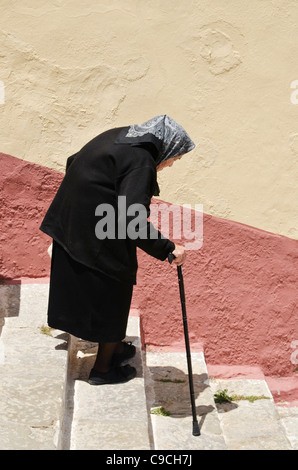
[(168, 137)]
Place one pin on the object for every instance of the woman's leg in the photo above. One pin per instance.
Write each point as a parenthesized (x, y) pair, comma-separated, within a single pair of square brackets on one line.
[(103, 361), (105, 353), (107, 367)]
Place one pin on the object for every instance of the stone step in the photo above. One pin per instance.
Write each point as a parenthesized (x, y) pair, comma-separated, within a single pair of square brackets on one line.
[(107, 417), (250, 425), (167, 390), (33, 364), (47, 403), (289, 420)]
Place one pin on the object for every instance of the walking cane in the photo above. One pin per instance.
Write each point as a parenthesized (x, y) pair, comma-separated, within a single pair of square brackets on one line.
[(195, 424)]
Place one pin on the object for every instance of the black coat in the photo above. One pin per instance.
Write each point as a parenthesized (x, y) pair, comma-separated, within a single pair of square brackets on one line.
[(100, 172)]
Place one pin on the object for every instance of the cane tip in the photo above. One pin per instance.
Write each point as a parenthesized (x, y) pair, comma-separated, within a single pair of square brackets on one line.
[(195, 429)]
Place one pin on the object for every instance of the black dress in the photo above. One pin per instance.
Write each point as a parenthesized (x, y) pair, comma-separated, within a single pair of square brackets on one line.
[(86, 303), (92, 279)]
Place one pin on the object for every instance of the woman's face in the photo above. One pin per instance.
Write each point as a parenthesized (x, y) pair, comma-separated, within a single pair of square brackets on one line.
[(168, 163)]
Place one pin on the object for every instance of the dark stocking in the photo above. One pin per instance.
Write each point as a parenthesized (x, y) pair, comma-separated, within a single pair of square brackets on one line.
[(104, 356)]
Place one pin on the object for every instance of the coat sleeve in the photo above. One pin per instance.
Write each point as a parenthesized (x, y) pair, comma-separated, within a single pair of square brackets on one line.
[(137, 188)]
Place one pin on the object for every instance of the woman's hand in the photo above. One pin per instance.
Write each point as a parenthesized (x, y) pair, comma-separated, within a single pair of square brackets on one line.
[(180, 255)]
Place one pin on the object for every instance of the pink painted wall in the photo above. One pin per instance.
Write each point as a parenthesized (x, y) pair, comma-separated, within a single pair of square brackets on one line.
[(241, 286), (241, 296), (26, 190)]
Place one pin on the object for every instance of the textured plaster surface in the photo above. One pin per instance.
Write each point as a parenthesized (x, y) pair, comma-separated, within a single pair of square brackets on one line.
[(223, 69), (241, 298), (26, 191)]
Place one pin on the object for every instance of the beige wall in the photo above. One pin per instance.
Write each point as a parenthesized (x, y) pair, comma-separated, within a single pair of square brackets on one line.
[(223, 69)]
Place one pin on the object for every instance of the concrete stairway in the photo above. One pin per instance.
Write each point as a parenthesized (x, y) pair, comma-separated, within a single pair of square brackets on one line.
[(108, 416), (33, 367), (250, 425), (46, 402)]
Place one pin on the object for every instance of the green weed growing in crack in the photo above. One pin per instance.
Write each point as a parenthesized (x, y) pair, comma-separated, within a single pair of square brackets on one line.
[(221, 396), (46, 330), (173, 381), (160, 411)]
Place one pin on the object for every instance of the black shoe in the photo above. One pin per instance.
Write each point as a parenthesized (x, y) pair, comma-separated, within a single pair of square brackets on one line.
[(116, 375), (129, 352)]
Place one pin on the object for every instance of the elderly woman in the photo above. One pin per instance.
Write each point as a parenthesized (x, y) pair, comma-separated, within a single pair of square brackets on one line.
[(93, 271)]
